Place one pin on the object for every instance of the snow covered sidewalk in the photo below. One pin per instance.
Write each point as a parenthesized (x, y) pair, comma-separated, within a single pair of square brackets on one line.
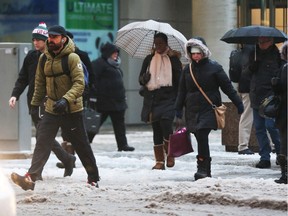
[(129, 187)]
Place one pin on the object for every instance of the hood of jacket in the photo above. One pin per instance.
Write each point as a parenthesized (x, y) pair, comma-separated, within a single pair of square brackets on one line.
[(108, 49), (199, 44), (67, 49)]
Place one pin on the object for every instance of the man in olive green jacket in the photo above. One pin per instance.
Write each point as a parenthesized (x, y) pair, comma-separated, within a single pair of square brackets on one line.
[(63, 107)]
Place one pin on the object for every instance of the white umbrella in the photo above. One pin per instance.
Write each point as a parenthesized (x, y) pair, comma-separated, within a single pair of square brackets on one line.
[(137, 38)]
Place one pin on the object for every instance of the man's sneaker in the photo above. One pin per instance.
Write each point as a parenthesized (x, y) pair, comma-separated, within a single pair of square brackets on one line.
[(126, 148), (69, 166), (246, 152), (263, 164), (25, 182), (94, 184)]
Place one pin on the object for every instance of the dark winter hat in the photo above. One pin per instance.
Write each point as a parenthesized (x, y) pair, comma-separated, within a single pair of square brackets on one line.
[(107, 50), (57, 30), (40, 32)]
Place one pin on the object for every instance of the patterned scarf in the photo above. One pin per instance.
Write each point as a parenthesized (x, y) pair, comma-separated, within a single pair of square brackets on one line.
[(161, 71)]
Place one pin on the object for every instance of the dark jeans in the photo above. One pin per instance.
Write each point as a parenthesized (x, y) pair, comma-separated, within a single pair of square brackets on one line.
[(262, 125), (73, 126), (202, 137), (161, 130)]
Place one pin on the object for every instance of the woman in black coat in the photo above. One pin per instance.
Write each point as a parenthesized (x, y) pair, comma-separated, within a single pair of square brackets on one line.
[(110, 93), (199, 114), (159, 75)]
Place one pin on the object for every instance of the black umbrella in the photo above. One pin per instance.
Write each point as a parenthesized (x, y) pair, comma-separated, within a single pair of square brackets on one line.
[(250, 34)]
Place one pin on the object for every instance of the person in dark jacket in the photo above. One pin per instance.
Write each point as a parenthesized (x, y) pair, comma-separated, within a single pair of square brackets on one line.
[(262, 70), (199, 114), (110, 93), (237, 74), (27, 78), (279, 86), (159, 75)]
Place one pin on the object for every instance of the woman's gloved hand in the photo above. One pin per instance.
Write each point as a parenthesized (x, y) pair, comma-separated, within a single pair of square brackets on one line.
[(240, 108)]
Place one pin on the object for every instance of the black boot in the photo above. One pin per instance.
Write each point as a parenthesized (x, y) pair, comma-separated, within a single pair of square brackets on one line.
[(126, 148), (203, 168), (282, 160)]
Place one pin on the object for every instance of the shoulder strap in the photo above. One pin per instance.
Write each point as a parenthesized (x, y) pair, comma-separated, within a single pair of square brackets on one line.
[(200, 89), (42, 62), (65, 64)]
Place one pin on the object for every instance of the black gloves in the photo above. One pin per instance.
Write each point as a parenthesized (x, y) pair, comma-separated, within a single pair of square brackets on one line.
[(60, 106), (144, 79), (240, 108)]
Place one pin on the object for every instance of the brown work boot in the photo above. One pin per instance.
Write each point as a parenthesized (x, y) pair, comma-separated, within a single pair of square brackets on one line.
[(25, 182)]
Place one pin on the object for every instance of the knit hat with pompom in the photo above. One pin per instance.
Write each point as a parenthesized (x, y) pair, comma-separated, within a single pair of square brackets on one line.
[(40, 32)]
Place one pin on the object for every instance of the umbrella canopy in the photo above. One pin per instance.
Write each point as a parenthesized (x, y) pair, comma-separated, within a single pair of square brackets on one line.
[(137, 38), (250, 34)]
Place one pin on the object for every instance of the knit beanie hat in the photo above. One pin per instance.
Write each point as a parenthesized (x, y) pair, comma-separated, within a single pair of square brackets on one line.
[(108, 49), (40, 32)]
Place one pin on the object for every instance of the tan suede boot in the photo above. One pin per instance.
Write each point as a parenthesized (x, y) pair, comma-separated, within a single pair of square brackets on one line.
[(170, 161), (160, 157)]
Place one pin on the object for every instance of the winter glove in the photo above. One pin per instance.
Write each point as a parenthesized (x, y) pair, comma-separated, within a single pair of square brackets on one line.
[(60, 106), (179, 114), (144, 79), (35, 114), (240, 108)]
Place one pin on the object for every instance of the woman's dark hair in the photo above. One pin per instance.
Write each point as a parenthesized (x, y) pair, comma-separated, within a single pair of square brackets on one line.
[(161, 35)]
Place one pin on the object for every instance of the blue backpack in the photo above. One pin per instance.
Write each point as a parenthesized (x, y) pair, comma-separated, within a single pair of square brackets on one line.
[(66, 71)]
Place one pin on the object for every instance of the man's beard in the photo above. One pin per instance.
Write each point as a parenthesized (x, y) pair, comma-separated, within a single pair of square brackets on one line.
[(54, 47)]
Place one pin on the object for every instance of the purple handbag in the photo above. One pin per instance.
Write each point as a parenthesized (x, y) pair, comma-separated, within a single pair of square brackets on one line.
[(180, 143)]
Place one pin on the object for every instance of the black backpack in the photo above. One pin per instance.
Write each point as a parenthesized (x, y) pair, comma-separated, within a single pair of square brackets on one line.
[(65, 67), (235, 65)]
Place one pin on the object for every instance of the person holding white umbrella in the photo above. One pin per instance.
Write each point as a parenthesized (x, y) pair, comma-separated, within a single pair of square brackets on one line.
[(159, 75)]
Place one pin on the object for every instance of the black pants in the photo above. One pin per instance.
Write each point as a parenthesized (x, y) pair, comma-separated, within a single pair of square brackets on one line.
[(161, 130), (60, 153), (118, 123), (73, 126), (202, 137)]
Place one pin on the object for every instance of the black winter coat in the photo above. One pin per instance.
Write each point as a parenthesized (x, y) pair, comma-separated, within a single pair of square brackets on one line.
[(210, 76), (267, 65), (109, 86), (160, 103), (281, 118), (26, 76)]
